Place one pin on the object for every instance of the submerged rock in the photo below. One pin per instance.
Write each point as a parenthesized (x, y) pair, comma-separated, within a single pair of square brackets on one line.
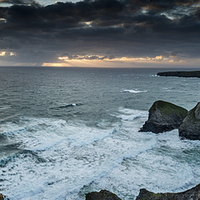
[(164, 116), (191, 194), (102, 195), (190, 128)]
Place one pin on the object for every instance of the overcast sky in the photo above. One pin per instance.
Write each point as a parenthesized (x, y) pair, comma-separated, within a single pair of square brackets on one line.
[(125, 33)]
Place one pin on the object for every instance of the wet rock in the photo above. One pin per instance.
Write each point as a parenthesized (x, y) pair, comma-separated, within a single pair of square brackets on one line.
[(164, 116), (190, 127), (102, 195), (2, 197), (191, 194)]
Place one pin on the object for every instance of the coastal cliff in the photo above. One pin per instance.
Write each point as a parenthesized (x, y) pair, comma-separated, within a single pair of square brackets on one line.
[(180, 73), (191, 194)]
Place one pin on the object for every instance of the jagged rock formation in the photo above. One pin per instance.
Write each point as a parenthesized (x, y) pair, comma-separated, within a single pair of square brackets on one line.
[(180, 73), (190, 127), (191, 194), (102, 195), (164, 116)]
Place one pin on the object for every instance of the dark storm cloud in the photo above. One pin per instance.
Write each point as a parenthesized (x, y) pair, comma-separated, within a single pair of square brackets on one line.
[(123, 27), (12, 1), (62, 13), (18, 2)]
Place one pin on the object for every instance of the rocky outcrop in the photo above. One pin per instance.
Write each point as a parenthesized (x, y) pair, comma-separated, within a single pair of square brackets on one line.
[(190, 127), (164, 116), (180, 73), (102, 195), (191, 194), (2, 197)]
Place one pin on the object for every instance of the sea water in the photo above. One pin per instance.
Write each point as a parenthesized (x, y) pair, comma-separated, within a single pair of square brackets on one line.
[(65, 132)]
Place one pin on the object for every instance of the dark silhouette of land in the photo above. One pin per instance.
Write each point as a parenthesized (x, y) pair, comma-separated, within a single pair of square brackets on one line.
[(180, 73)]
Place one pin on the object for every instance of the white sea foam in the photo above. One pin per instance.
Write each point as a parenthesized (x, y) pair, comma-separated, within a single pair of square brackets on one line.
[(52, 158), (39, 134), (65, 160), (129, 115), (135, 91)]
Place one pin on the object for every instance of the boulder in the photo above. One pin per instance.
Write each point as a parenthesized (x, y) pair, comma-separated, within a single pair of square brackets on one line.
[(191, 194), (190, 127), (2, 197), (164, 116), (102, 195)]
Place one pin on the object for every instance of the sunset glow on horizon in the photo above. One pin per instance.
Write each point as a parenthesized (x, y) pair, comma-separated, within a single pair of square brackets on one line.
[(120, 59), (104, 61)]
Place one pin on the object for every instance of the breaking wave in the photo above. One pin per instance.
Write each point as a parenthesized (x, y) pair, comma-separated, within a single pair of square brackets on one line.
[(135, 91), (65, 159)]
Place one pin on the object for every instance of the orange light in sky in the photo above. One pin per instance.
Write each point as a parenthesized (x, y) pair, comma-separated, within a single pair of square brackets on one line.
[(3, 53), (56, 65), (97, 58)]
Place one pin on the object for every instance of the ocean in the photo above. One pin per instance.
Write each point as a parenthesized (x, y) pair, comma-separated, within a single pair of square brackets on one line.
[(65, 132)]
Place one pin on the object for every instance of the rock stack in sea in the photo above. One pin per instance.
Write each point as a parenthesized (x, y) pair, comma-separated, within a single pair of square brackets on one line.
[(190, 128), (164, 116)]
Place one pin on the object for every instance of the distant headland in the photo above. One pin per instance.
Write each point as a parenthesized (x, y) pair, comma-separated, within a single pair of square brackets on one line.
[(180, 73)]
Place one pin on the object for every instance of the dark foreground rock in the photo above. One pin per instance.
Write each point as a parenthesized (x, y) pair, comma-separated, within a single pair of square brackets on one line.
[(164, 116), (2, 197), (190, 127), (191, 194), (102, 195), (180, 73)]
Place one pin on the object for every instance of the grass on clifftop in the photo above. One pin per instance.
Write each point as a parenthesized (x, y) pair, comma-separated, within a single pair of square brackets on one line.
[(169, 108)]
